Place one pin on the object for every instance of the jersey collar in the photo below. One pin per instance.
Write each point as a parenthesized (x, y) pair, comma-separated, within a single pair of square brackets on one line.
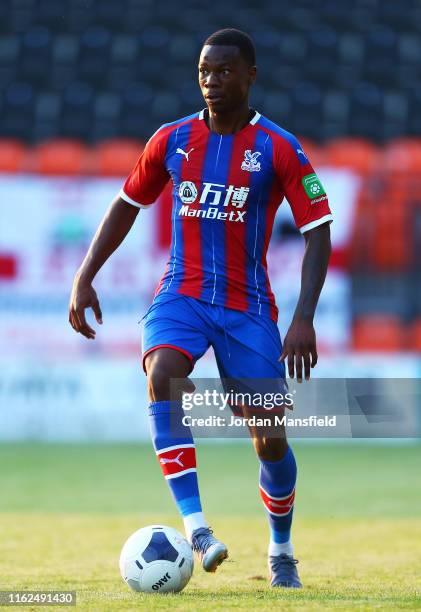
[(255, 118)]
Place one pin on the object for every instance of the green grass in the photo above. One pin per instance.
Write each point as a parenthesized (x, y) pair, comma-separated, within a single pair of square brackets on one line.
[(66, 511)]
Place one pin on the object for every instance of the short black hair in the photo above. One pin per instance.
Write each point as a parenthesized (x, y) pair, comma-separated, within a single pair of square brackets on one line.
[(234, 38)]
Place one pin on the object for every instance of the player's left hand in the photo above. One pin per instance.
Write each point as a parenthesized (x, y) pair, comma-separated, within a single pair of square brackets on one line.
[(83, 296), (300, 346)]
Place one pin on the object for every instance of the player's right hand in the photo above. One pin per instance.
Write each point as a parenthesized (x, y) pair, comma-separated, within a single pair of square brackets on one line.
[(83, 296)]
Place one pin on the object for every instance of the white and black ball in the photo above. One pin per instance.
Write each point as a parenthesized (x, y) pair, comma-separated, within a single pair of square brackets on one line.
[(156, 559)]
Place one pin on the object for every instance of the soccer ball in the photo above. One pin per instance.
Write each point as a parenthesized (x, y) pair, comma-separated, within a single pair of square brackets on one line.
[(315, 189), (156, 559)]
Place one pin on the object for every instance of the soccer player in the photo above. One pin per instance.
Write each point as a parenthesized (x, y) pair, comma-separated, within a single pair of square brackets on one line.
[(230, 167)]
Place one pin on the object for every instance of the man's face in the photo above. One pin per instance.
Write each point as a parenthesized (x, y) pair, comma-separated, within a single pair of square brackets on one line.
[(224, 77)]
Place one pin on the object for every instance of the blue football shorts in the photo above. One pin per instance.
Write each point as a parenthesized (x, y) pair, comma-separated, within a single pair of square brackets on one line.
[(245, 345)]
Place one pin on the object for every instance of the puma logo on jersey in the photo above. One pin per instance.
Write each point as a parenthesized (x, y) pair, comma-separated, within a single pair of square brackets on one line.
[(186, 155), (176, 460), (303, 159)]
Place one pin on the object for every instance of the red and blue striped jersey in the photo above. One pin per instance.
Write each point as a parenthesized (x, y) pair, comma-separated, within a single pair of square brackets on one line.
[(226, 191)]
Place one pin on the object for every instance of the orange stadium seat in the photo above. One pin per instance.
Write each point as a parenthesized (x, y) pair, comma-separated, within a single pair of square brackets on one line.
[(364, 233), (379, 332), (116, 157), (355, 153), (402, 155), (12, 155), (390, 247), (61, 156)]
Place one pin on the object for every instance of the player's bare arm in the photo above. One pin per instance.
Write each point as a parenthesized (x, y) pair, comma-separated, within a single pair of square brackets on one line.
[(300, 341), (114, 227)]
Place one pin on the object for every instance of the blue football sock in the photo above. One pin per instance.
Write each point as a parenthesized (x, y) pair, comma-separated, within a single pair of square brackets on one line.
[(176, 453), (277, 490)]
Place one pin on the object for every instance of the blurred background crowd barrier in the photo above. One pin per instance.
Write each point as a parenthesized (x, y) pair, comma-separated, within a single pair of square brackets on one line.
[(83, 84)]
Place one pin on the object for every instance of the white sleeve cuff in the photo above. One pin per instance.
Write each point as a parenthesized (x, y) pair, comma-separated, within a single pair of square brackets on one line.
[(313, 224), (123, 195)]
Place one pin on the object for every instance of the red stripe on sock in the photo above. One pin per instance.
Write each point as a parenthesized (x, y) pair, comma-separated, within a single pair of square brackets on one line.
[(177, 460), (277, 506)]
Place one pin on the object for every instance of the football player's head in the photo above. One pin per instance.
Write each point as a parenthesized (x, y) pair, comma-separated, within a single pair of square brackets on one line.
[(227, 69)]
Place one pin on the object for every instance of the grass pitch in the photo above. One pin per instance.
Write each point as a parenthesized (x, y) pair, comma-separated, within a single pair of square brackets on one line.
[(66, 511)]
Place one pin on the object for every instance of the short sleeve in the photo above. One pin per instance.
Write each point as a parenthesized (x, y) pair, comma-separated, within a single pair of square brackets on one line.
[(149, 176), (301, 185)]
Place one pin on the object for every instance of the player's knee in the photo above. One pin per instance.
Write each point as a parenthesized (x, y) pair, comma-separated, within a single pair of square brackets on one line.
[(164, 366), (158, 383), (270, 449), (165, 384)]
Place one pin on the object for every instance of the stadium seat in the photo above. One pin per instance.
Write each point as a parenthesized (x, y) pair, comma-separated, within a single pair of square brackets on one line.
[(390, 245), (378, 332), (78, 100), (366, 107), (356, 153), (67, 157), (35, 54), (94, 54), (116, 157), (323, 43), (17, 110), (182, 48), (381, 52), (403, 155), (124, 49), (306, 101), (12, 155), (385, 292)]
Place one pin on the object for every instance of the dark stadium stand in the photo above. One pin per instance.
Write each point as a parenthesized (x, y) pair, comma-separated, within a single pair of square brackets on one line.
[(94, 69)]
